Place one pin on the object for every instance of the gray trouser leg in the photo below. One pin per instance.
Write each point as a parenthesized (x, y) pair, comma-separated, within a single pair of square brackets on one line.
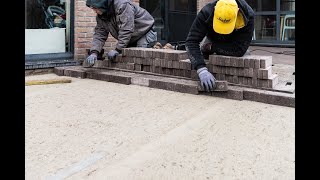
[(205, 47), (147, 39), (142, 42)]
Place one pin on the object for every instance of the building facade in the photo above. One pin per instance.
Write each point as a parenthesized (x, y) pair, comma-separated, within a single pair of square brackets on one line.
[(69, 35)]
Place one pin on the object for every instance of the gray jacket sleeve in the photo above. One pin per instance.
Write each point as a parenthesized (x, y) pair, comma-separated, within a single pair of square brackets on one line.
[(99, 37), (126, 25)]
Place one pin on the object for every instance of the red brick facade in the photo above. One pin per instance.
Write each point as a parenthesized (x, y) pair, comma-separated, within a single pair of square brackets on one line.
[(201, 3), (84, 24)]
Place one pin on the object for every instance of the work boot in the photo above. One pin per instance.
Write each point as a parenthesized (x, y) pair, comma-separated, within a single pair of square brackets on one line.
[(168, 46), (157, 46)]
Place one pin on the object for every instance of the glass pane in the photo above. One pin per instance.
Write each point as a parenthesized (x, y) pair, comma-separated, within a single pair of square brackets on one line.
[(180, 14), (157, 9), (179, 5), (193, 6), (287, 5), (152, 6), (265, 27), (262, 5), (287, 27), (47, 26), (179, 25)]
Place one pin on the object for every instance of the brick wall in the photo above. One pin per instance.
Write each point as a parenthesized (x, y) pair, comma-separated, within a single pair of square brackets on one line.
[(201, 3), (84, 25)]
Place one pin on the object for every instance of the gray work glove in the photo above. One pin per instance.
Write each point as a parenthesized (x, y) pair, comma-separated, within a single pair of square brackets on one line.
[(90, 60), (207, 80), (112, 55)]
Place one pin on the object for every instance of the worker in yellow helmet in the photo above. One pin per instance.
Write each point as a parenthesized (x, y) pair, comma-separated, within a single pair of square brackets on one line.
[(223, 27)]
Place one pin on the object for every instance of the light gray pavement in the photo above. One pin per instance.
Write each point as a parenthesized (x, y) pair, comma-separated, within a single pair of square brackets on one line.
[(286, 56), (91, 129)]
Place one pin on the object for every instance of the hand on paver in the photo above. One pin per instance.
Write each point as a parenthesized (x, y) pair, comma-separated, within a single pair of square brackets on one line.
[(207, 80), (112, 55), (90, 60)]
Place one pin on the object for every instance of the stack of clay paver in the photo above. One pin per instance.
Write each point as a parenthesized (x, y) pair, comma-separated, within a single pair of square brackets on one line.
[(160, 61), (157, 61), (171, 70), (250, 70)]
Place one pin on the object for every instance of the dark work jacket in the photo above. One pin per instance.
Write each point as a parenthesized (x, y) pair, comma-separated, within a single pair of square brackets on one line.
[(233, 44), (123, 19)]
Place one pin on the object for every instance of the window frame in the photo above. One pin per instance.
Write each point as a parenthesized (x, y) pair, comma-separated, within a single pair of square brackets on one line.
[(29, 58), (278, 41)]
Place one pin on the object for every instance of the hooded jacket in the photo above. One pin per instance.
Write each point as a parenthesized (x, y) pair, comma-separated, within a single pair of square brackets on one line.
[(233, 44), (124, 20)]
